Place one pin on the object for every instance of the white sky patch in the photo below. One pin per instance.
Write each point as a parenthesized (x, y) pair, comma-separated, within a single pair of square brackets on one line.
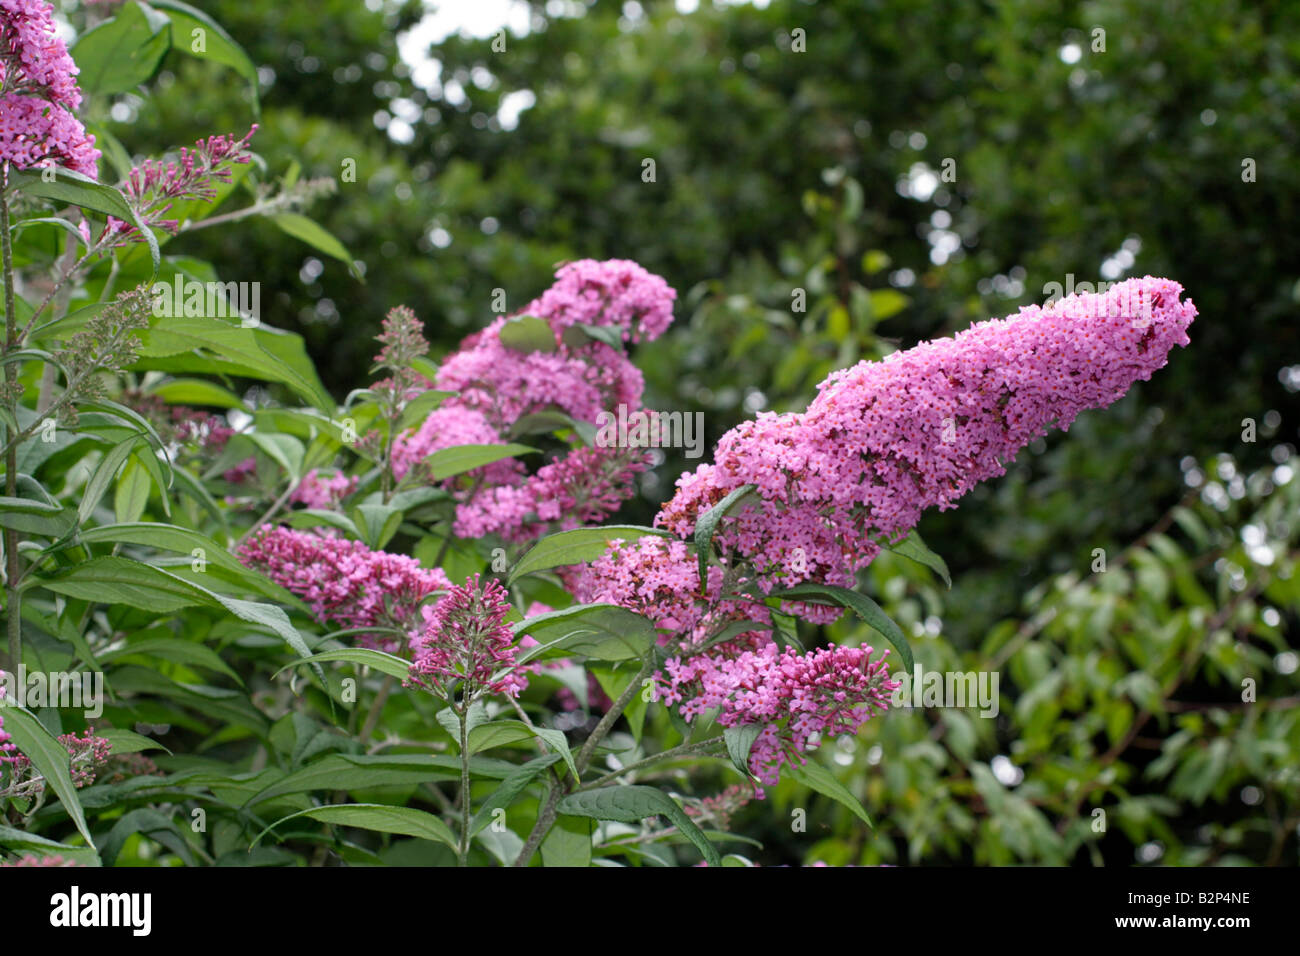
[(512, 104)]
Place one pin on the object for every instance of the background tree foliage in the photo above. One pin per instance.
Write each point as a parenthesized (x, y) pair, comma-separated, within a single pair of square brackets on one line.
[(779, 170)]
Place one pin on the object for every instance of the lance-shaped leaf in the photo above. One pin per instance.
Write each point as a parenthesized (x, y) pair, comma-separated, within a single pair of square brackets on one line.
[(633, 804), (707, 525), (577, 547), (862, 605)]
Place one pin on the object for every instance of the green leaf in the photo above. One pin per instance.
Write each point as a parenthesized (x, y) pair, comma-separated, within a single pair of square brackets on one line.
[(218, 45), (128, 741), (117, 580), (913, 547), (121, 53), (633, 804), (149, 823), (605, 632), (114, 580), (816, 777), (170, 648), (614, 680), (576, 547), (862, 605), (103, 476), (376, 660), (163, 537), (511, 787), (66, 186), (497, 733), (36, 517), (196, 391), (288, 349), (381, 818), (285, 450), (418, 409), (568, 844), (315, 517), (316, 236), (377, 523), (112, 149), (886, 303), (21, 841), (459, 459), (579, 334), (129, 417), (351, 771), (527, 333), (270, 617), (58, 223), (550, 420), (740, 741), (556, 741), (49, 758), (201, 344), (707, 525), (132, 493)]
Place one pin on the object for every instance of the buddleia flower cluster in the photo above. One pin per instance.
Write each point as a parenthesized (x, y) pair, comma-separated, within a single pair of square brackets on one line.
[(575, 367), (466, 643), (880, 443), (345, 583), (155, 186), (39, 93)]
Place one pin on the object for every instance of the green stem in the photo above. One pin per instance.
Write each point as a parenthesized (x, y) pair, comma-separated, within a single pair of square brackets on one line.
[(550, 810), (612, 715), (13, 570), (271, 511), (463, 854), (682, 750), (377, 707)]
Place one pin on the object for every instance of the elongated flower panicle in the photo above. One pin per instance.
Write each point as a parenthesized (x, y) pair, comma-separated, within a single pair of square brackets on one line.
[(465, 639), (881, 442), (40, 93), (154, 187), (344, 582)]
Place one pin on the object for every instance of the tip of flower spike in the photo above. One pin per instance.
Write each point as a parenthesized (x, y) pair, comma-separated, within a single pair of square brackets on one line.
[(1141, 303)]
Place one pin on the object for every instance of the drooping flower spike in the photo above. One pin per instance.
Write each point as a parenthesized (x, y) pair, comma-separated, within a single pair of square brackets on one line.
[(881, 442)]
